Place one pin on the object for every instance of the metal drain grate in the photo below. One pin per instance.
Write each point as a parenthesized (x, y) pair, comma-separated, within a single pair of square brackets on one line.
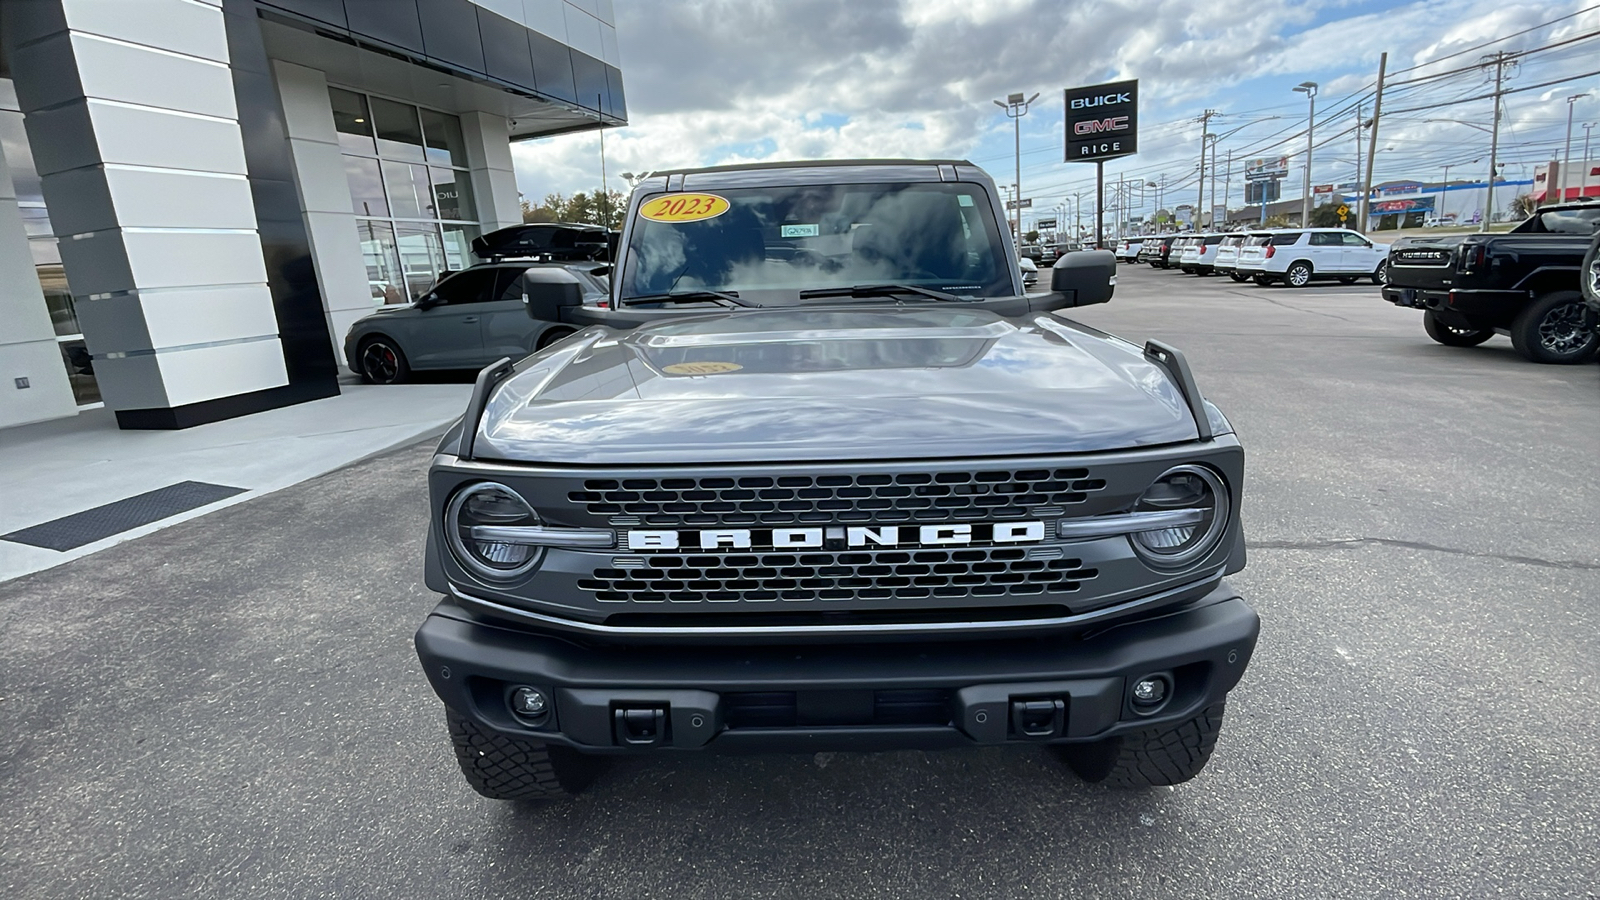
[(78, 529)]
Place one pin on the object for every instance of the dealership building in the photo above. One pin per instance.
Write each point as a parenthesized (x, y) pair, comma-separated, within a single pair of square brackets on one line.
[(198, 197)]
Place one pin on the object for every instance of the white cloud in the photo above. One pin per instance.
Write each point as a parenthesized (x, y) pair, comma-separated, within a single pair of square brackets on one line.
[(737, 80)]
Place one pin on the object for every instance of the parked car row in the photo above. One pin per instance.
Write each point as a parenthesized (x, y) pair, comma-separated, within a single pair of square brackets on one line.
[(1291, 256)]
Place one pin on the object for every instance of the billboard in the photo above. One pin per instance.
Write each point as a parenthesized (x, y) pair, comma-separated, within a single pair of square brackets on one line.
[(1259, 192), (1266, 169), (1102, 121), (1045, 225)]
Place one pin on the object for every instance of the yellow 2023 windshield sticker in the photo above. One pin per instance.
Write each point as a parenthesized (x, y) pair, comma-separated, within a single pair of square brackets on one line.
[(684, 208)]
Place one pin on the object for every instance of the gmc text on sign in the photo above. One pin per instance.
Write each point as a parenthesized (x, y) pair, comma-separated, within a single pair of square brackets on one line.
[(1102, 121)]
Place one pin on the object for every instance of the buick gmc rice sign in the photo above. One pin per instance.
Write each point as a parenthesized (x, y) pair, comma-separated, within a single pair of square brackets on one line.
[(1102, 121)]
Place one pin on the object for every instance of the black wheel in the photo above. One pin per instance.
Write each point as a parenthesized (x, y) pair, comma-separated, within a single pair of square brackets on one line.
[(1239, 278), (1298, 275), (1450, 335), (506, 768), (1381, 273), (382, 361), (1155, 757), (1262, 280), (1556, 328), (1347, 279), (553, 335)]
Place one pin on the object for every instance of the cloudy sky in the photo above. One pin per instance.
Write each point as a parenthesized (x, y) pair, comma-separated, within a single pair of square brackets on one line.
[(718, 81)]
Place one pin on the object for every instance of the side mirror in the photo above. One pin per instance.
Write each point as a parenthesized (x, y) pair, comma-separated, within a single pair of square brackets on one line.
[(548, 290), (1084, 278), (428, 301)]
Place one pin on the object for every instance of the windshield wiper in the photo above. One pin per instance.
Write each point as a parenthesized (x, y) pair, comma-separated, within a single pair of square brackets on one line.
[(882, 290), (721, 298)]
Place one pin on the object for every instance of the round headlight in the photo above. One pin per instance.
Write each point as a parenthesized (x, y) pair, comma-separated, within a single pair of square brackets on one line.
[(1183, 488), (487, 503)]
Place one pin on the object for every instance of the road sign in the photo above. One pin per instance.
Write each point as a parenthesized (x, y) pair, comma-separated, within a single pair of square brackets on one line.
[(1102, 121), (1025, 202), (1343, 210)]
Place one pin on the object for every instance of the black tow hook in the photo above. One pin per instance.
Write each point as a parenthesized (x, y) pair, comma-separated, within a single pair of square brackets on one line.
[(1038, 720), (640, 726)]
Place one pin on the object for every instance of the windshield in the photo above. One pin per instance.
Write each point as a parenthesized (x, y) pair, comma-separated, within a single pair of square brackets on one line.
[(783, 240), (1564, 221)]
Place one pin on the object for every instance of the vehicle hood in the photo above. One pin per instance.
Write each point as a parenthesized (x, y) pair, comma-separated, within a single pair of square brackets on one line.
[(788, 385)]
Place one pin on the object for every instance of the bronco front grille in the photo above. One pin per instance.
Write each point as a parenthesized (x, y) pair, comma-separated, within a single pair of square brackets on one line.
[(847, 575), (788, 499)]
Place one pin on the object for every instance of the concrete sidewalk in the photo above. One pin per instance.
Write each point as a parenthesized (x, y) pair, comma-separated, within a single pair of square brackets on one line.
[(55, 469)]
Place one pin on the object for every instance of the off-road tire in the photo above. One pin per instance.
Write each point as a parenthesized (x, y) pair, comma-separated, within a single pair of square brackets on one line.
[(1297, 275), (508, 768), (1536, 331), (1155, 757), (1589, 277), (393, 369), (553, 335), (1450, 335)]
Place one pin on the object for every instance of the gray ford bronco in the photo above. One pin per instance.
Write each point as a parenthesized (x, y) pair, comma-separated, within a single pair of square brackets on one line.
[(832, 480)]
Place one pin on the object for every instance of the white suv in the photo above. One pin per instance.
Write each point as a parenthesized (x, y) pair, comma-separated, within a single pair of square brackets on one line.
[(1297, 256)]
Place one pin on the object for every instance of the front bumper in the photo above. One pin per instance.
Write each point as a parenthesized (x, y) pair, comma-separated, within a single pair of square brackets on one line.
[(809, 698)]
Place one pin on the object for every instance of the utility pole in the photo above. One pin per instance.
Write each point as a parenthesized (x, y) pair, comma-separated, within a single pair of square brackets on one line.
[(1205, 135), (1372, 146), (1227, 187), (1309, 88), (1566, 155), (1499, 61)]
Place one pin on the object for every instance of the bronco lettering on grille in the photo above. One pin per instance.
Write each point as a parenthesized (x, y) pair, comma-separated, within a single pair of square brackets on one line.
[(839, 537)]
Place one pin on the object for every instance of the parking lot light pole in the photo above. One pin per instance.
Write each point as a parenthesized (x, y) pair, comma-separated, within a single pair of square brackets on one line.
[(1016, 107), (1309, 88), (1583, 187), (1566, 154)]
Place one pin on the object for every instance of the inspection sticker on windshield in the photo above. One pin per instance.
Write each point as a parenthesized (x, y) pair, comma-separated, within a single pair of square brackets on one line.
[(684, 208), (701, 368), (798, 231)]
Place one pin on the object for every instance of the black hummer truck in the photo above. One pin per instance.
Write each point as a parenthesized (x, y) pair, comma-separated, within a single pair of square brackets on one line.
[(1523, 283), (858, 492)]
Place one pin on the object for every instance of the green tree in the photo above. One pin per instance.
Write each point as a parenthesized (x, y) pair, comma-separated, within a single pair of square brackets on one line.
[(1032, 237), (593, 209), (1327, 216), (1522, 206)]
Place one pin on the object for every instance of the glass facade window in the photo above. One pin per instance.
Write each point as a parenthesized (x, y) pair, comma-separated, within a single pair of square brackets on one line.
[(410, 190), (25, 180)]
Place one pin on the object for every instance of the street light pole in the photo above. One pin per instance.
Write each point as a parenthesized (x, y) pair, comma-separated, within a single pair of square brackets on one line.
[(1200, 177), (1566, 155), (1309, 88), (1583, 190), (1016, 107)]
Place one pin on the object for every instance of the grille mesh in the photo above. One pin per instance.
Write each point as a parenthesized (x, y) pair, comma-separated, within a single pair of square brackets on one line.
[(783, 500), (850, 575)]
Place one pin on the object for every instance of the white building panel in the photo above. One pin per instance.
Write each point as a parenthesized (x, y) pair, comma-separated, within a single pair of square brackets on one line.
[(142, 136), (110, 70), (180, 26), (206, 373), (160, 259), (167, 198), (178, 318)]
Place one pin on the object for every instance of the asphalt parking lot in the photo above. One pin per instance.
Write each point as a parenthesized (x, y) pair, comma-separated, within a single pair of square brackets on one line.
[(231, 707)]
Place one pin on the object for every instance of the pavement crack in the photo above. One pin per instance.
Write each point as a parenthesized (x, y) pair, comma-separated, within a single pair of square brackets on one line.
[(1352, 543), (1310, 312)]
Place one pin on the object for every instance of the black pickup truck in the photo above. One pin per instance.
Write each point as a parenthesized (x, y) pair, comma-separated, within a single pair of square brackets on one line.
[(1523, 284)]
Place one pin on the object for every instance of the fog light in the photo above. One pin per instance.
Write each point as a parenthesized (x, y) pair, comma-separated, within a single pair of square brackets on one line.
[(1150, 691), (529, 702)]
